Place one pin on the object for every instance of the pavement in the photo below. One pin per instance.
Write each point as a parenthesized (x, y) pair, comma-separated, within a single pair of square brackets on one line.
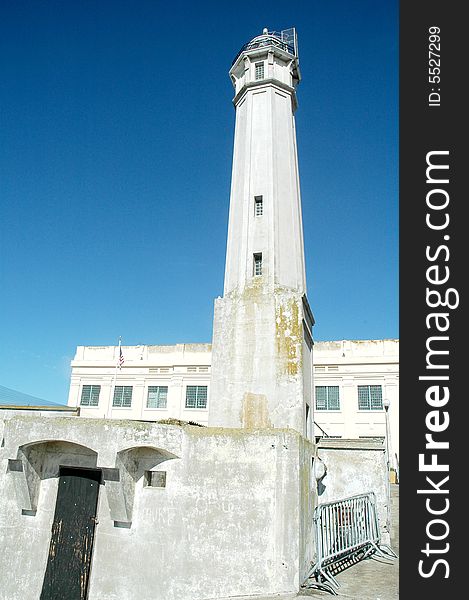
[(370, 579)]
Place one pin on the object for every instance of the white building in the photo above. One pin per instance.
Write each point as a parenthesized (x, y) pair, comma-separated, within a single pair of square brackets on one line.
[(352, 379), (154, 382)]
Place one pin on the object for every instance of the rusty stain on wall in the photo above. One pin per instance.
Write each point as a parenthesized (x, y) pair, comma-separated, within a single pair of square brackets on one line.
[(288, 331), (254, 411)]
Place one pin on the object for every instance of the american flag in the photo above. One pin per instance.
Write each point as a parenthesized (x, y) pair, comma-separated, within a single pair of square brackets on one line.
[(121, 358)]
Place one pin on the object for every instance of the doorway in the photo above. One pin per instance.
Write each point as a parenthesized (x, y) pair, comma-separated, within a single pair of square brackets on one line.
[(71, 545)]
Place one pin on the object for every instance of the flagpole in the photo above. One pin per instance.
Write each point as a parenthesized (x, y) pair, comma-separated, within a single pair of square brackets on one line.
[(113, 385)]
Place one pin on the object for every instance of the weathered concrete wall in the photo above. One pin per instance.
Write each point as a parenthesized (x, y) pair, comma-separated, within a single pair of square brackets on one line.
[(233, 520), (261, 368), (355, 467)]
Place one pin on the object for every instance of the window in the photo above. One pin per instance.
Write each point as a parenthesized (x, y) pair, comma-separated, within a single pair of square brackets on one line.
[(196, 396), (122, 396), (370, 397), (155, 479), (259, 70), (90, 395), (258, 206), (157, 396), (257, 264), (327, 397)]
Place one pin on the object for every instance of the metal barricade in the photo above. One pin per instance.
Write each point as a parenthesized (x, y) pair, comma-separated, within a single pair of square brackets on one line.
[(347, 531)]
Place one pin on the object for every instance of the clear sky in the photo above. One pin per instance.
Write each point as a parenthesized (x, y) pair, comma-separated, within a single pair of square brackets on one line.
[(116, 130)]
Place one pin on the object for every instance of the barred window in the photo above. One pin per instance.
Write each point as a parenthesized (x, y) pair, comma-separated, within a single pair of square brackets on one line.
[(259, 70), (196, 396), (258, 206), (122, 396), (258, 264), (157, 396), (327, 397), (90, 395), (370, 397)]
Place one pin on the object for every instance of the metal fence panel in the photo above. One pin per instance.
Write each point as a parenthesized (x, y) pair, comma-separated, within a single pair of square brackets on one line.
[(346, 530)]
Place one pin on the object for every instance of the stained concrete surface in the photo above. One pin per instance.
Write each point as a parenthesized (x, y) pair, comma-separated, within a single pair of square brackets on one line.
[(370, 579), (235, 515)]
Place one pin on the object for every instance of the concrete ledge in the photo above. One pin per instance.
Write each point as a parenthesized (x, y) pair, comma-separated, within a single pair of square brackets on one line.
[(22, 491), (351, 443)]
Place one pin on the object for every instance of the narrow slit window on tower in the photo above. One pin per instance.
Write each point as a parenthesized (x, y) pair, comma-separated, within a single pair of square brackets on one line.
[(259, 73), (257, 264), (258, 206)]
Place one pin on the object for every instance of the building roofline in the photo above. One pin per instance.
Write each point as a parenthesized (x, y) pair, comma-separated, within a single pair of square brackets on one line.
[(58, 408)]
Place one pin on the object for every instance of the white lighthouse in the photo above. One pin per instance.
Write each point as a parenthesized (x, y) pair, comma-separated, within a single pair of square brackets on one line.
[(262, 340)]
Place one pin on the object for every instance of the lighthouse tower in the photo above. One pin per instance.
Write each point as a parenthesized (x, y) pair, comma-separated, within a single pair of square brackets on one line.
[(262, 340)]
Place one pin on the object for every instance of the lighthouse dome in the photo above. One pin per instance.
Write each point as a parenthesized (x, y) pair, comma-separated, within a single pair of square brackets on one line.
[(285, 40)]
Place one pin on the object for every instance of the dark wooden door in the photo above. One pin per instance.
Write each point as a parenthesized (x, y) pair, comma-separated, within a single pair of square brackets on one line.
[(71, 544)]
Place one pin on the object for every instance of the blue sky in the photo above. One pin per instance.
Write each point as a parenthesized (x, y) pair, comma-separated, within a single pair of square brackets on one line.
[(115, 160)]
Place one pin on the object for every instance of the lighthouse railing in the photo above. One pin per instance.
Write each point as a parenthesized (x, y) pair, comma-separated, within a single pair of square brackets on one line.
[(271, 39)]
